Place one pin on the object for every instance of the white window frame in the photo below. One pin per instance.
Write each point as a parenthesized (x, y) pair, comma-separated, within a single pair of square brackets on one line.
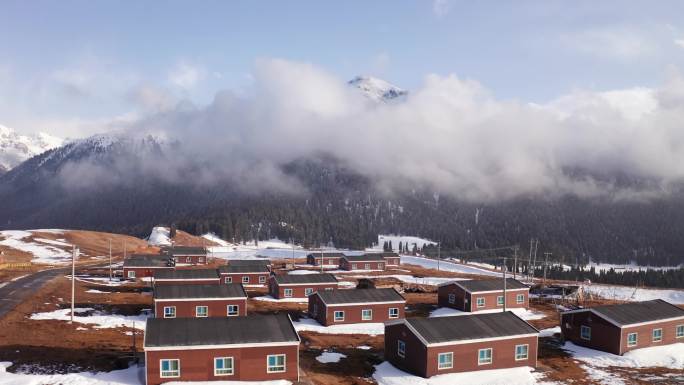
[(679, 331), (366, 266), (131, 274), (197, 311), (228, 280), (452, 298), (200, 259), (287, 293), (237, 310), (520, 357), (653, 337), (161, 370), (520, 298), (491, 356), (262, 279), (582, 329), (381, 266), (308, 291), (232, 366), (450, 363), (500, 300), (389, 312), (245, 279), (336, 318), (401, 348), (268, 367), (364, 318), (353, 266), (477, 301), (188, 259), (636, 339), (169, 307)]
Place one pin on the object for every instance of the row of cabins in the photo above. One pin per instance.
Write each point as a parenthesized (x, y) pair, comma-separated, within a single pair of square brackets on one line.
[(367, 261)]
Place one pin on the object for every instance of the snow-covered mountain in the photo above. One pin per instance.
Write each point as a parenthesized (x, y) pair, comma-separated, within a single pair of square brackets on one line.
[(378, 89), (16, 148)]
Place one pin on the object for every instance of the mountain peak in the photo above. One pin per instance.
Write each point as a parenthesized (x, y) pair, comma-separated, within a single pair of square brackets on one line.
[(16, 148), (377, 89)]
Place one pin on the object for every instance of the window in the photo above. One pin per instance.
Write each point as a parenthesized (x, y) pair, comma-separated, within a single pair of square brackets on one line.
[(201, 311), (262, 279), (381, 266), (679, 332), (366, 314), (308, 291), (520, 298), (188, 260), (445, 360), (484, 356), (394, 312), (339, 315), (401, 348), (200, 259), (229, 279), (245, 279), (276, 363), (287, 293), (169, 368), (521, 352), (353, 266), (328, 288), (169, 312), (499, 300), (366, 266), (480, 302), (657, 335), (233, 310), (585, 332), (131, 274), (452, 298), (330, 261), (631, 339), (223, 366)]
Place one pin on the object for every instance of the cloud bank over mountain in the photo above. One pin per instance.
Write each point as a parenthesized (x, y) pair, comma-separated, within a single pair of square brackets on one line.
[(451, 136)]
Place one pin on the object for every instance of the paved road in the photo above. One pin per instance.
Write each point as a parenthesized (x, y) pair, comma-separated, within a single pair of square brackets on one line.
[(15, 292)]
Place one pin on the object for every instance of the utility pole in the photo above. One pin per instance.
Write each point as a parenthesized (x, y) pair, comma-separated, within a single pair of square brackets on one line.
[(110, 260), (124, 242), (439, 253), (515, 262), (529, 262), (322, 257), (546, 264), (534, 261), (503, 271), (74, 251), (293, 258)]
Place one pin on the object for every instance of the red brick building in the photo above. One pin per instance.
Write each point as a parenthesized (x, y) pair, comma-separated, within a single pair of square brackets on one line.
[(391, 259), (255, 274), (440, 345), (333, 307), (188, 255), (300, 286), (182, 301), (252, 348), (623, 327), (139, 266), (329, 259), (485, 294), (363, 262), (186, 277)]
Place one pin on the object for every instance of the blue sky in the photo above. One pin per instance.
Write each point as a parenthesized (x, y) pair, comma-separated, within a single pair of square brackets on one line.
[(69, 62)]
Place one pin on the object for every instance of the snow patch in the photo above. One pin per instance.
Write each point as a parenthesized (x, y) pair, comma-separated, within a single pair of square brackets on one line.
[(625, 293), (330, 357), (667, 356), (268, 298), (160, 236), (308, 324), (387, 374), (42, 253), (130, 376), (447, 266), (520, 312), (404, 239), (101, 319)]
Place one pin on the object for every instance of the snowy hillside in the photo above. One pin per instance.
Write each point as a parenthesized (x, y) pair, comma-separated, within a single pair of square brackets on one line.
[(160, 236), (15, 148), (404, 239), (377, 89)]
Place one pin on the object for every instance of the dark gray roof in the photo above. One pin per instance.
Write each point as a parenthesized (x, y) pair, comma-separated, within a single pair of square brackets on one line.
[(305, 278), (151, 260), (255, 268), (161, 332), (364, 257), (331, 297), (479, 285), (386, 254), (187, 250), (327, 255), (231, 290), (249, 262), (637, 312), (469, 327), (186, 274)]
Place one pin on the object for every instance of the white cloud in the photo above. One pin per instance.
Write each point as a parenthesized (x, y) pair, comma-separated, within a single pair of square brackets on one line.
[(613, 42), (441, 7), (185, 75), (679, 42)]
